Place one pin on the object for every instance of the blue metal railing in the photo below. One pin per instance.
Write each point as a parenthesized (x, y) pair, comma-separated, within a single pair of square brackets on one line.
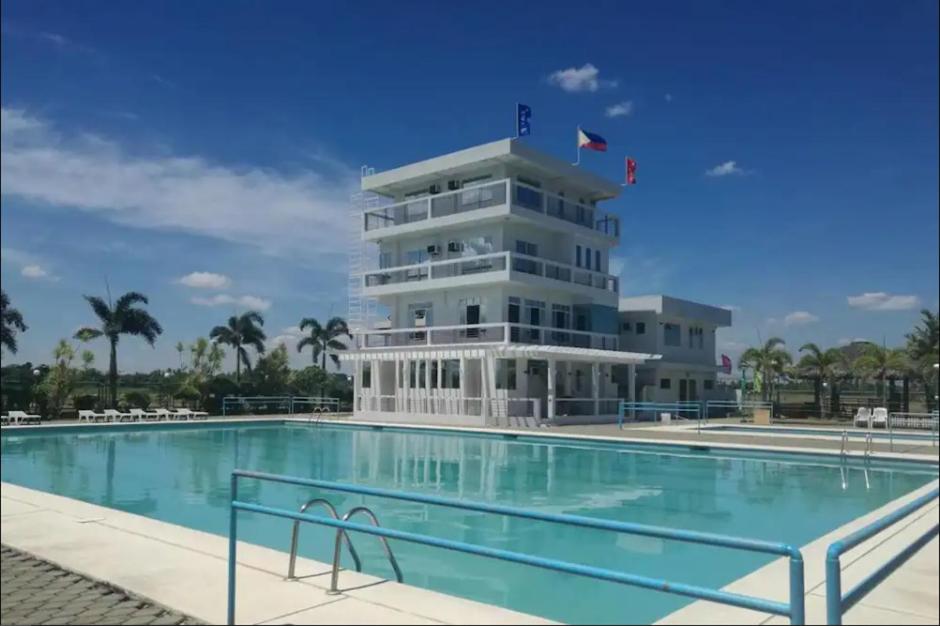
[(794, 609), (836, 603), (694, 408), (288, 403)]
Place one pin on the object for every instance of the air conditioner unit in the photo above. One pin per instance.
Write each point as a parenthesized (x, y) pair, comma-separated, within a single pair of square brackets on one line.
[(434, 189), (434, 250), (455, 246), (453, 185)]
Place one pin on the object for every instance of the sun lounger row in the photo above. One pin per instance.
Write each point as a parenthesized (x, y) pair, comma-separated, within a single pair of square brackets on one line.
[(866, 418), (19, 417), (138, 415)]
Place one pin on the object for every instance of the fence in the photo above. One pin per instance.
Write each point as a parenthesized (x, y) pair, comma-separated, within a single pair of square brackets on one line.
[(836, 603), (794, 609), (281, 404), (650, 411)]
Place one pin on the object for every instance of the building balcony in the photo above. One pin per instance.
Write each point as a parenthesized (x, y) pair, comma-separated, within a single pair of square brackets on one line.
[(486, 201), (487, 269), (499, 332)]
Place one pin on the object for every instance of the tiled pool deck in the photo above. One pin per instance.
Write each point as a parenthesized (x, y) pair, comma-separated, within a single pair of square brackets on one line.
[(184, 569)]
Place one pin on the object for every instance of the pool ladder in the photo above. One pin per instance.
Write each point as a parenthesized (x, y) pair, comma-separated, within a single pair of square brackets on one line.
[(845, 443), (341, 535)]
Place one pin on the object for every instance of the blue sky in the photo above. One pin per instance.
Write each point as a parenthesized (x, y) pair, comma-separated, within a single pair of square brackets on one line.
[(788, 154)]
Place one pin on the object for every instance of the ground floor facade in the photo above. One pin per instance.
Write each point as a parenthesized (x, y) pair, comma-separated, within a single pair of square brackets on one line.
[(491, 385)]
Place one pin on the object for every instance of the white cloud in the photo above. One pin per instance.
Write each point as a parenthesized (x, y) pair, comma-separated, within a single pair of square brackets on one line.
[(584, 78), (301, 215), (249, 303), (621, 109), (205, 280), (798, 318), (881, 301), (34, 271), (55, 38), (725, 169)]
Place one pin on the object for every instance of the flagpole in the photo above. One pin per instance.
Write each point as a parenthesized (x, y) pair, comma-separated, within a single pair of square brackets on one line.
[(516, 122), (578, 141)]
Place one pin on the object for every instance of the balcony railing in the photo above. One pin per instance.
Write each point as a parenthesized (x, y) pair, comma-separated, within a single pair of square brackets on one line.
[(498, 332), (489, 195), (493, 262)]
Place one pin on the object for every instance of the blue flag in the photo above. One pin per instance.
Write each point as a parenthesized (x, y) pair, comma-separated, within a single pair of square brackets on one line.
[(523, 113)]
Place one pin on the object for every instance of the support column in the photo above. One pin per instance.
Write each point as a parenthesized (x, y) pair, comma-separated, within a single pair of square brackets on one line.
[(461, 401), (550, 409), (427, 384), (397, 390), (377, 383), (596, 386), (357, 386), (486, 365), (631, 388)]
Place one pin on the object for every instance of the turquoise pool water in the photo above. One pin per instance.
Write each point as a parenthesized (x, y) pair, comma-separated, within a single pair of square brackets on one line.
[(827, 432), (181, 475)]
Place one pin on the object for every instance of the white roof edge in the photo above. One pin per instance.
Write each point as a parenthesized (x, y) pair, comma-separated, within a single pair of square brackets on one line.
[(680, 307), (494, 149), (508, 350)]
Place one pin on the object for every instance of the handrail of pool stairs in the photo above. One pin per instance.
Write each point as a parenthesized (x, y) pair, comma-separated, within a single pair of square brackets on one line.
[(867, 445), (845, 442), (334, 578), (836, 603), (794, 609), (295, 535)]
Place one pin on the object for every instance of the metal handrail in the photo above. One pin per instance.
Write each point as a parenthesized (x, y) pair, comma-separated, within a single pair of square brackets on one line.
[(868, 440), (845, 442), (340, 533), (677, 407), (295, 535), (836, 603), (794, 609)]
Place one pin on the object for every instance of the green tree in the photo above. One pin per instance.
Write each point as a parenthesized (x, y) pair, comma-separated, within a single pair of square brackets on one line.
[(206, 360), (923, 348), (62, 379), (823, 366), (242, 331), (308, 381), (11, 320), (323, 340), (881, 363), (770, 360), (120, 318), (180, 348), (272, 372)]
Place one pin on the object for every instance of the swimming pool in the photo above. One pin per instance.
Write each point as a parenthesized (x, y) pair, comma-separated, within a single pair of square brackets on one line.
[(180, 474), (855, 433)]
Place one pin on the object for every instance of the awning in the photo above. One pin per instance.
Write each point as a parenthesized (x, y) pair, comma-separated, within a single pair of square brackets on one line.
[(500, 351)]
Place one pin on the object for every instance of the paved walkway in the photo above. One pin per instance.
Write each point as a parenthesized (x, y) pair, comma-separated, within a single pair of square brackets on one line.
[(36, 592)]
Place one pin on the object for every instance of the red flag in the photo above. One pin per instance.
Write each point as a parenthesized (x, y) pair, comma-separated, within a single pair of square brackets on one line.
[(725, 364), (631, 171)]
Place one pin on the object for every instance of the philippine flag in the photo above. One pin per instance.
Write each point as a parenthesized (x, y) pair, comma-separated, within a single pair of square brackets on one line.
[(591, 141)]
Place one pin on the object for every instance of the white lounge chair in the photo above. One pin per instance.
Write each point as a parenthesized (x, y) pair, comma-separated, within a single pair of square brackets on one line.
[(18, 417), (161, 414), (188, 414), (113, 415), (4, 419), (863, 417), (85, 415), (140, 415), (879, 418)]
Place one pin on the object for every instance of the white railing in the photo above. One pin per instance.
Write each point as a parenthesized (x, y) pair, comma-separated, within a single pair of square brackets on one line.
[(488, 195), (491, 262), (497, 332), (920, 421), (450, 405)]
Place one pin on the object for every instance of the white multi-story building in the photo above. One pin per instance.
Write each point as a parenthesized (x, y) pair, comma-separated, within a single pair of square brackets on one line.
[(492, 267)]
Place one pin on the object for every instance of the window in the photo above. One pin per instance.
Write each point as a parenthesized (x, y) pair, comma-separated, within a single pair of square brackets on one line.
[(701, 338), (422, 374), (413, 257), (528, 197), (587, 258), (597, 260), (561, 315), (524, 247), (672, 335), (577, 256), (627, 327), (366, 374), (506, 374), (476, 180), (708, 385), (513, 312), (641, 328), (665, 383), (412, 373), (535, 313), (450, 374), (434, 374), (691, 336), (385, 260)]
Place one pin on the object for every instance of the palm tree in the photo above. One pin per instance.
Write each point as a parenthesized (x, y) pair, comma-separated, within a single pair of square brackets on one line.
[(242, 330), (822, 366), (121, 318), (882, 363), (180, 348), (323, 339), (923, 348), (12, 321), (769, 360)]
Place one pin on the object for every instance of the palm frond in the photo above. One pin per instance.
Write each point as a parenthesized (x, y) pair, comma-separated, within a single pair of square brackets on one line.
[(87, 333), (101, 309), (129, 299)]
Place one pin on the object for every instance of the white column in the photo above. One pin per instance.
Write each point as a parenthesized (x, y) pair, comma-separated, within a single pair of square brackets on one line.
[(461, 402), (550, 409), (397, 390), (427, 384), (596, 385), (377, 383), (486, 364), (357, 386), (631, 389)]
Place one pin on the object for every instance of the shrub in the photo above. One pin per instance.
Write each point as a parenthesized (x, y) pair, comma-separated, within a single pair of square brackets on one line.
[(85, 402), (137, 399)]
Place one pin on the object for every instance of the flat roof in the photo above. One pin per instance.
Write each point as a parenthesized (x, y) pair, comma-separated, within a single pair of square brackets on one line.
[(513, 151), (677, 307)]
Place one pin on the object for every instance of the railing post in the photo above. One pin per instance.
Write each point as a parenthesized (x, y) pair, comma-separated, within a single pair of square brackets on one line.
[(833, 585), (797, 590), (232, 546)]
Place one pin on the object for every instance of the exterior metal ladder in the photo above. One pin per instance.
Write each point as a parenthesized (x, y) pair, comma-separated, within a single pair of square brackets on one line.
[(341, 535)]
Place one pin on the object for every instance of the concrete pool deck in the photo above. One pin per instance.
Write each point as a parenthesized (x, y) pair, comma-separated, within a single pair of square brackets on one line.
[(185, 569)]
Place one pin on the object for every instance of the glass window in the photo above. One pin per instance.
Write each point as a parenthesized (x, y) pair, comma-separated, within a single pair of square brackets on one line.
[(641, 328), (597, 260), (450, 378), (627, 327), (434, 374), (672, 335), (366, 374), (577, 256), (561, 315), (506, 374), (665, 383), (385, 260), (413, 257), (587, 258), (708, 384), (525, 247)]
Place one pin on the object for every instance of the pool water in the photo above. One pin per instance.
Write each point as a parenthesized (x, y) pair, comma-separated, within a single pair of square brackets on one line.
[(181, 475), (826, 432)]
